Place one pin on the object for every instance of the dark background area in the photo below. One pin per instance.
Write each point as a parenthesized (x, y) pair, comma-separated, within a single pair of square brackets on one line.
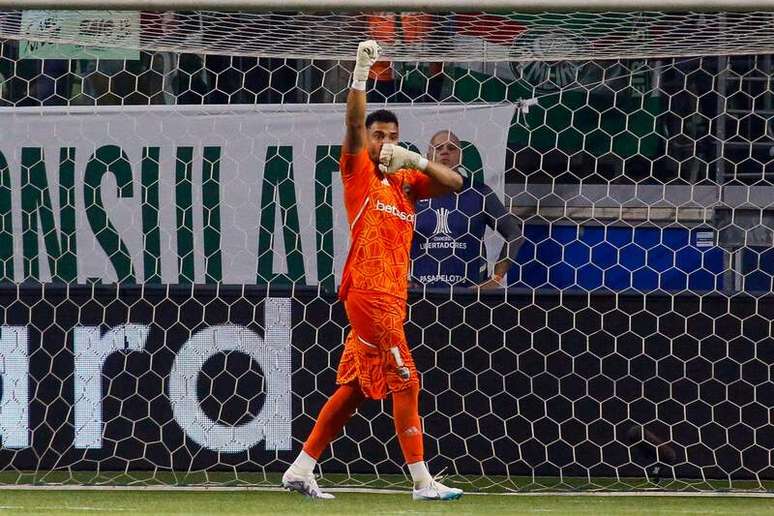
[(513, 383)]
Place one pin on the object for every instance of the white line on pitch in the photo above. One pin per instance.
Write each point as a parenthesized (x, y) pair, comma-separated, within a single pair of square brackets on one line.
[(80, 508), (62, 508)]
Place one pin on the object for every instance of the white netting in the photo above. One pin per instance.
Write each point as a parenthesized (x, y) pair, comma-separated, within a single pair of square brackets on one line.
[(182, 212), (409, 36)]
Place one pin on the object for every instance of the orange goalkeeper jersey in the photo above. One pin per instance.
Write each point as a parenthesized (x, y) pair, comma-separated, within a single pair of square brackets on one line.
[(380, 210)]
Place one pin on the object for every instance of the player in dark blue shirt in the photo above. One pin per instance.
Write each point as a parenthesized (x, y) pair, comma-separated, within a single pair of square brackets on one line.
[(448, 248)]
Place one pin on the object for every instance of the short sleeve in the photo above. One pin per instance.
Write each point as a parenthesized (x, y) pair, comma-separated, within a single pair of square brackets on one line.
[(351, 165)]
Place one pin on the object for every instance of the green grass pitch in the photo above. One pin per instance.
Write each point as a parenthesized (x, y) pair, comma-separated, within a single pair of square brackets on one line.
[(107, 501)]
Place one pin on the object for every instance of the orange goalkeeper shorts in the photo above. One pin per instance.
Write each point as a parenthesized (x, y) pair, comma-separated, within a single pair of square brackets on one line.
[(376, 353)]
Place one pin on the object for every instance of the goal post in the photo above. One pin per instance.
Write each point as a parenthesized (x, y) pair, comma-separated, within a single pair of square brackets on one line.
[(172, 237)]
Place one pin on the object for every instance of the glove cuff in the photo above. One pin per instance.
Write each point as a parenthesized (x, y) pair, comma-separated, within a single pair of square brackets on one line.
[(358, 85), (422, 163), (360, 73)]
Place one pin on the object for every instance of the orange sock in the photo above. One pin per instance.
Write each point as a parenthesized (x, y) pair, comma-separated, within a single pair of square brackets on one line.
[(405, 411), (333, 416)]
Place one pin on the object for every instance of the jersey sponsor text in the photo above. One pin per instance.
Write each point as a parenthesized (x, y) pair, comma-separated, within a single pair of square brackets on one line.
[(393, 210)]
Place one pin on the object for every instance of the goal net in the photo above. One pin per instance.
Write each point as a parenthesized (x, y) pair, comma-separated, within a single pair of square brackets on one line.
[(172, 236)]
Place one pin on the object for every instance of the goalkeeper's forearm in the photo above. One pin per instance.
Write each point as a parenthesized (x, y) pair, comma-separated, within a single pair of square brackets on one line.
[(444, 176), (393, 158), (367, 54), (354, 136), (356, 109)]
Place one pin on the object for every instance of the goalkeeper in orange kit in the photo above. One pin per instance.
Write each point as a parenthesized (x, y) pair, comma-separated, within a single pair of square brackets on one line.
[(382, 182)]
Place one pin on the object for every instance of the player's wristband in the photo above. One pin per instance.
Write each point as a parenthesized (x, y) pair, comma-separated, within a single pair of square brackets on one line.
[(358, 85), (422, 163)]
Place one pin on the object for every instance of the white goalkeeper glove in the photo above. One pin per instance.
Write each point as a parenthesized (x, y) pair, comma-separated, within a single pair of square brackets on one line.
[(393, 158), (367, 54)]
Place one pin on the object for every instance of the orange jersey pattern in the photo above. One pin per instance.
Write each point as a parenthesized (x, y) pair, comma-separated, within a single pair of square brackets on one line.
[(380, 210)]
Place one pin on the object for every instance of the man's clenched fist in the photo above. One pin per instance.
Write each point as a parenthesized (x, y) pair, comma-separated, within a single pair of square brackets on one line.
[(367, 54), (393, 158)]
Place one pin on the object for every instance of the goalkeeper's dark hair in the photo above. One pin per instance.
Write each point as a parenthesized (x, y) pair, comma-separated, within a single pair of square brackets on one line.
[(381, 115)]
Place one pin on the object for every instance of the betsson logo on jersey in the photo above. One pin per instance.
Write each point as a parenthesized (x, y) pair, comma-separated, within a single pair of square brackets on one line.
[(393, 210)]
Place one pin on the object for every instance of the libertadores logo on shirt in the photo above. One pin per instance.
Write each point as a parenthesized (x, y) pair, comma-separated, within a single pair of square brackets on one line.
[(442, 222)]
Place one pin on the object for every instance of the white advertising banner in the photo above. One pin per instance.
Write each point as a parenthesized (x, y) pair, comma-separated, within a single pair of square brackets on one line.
[(203, 194)]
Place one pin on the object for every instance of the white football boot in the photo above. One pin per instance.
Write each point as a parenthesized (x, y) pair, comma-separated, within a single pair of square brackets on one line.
[(437, 491), (304, 484)]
